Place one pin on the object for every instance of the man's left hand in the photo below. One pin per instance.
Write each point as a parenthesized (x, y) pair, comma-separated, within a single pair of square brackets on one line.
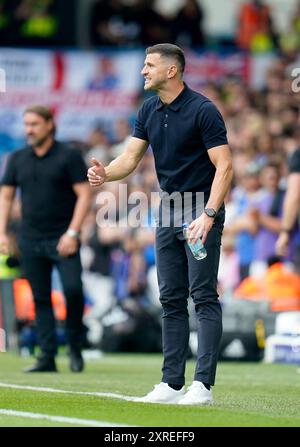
[(200, 228), (67, 245)]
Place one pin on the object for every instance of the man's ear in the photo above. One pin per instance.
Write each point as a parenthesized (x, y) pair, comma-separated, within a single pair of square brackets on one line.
[(172, 71), (50, 125)]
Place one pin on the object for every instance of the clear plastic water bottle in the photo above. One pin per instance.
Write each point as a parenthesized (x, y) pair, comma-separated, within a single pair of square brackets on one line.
[(197, 248)]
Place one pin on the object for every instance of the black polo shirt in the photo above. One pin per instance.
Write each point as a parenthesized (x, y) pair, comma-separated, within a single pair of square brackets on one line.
[(47, 195), (180, 135)]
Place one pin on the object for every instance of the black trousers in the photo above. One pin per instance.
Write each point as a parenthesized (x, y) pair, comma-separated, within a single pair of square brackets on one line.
[(38, 259), (180, 275)]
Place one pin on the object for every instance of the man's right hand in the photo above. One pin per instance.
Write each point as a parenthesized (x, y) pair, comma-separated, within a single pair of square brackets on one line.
[(4, 244), (96, 174)]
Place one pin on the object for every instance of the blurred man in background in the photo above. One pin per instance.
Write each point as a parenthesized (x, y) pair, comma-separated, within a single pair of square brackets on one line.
[(55, 200)]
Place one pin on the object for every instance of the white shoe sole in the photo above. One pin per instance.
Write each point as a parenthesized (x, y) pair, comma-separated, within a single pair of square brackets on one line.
[(199, 402), (149, 401)]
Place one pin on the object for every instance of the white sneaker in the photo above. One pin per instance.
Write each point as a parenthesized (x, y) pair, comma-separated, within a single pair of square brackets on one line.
[(197, 394), (163, 394)]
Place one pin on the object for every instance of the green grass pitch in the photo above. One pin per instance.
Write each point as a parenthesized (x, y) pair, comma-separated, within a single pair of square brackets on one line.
[(246, 394)]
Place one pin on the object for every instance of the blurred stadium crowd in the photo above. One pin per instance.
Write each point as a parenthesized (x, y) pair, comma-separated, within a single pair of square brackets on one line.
[(130, 23), (263, 130)]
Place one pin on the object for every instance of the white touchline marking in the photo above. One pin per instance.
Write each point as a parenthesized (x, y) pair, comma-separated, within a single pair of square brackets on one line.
[(63, 419), (84, 393), (56, 390)]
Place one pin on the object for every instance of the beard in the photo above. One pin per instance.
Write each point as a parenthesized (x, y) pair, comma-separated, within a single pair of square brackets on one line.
[(36, 142), (152, 85)]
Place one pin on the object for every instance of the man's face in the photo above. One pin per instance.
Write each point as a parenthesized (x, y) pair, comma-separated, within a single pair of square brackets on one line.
[(270, 178), (37, 129), (155, 71)]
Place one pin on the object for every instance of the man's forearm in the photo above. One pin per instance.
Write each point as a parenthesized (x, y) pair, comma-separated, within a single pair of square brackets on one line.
[(120, 168), (81, 210), (270, 223), (5, 208), (220, 186)]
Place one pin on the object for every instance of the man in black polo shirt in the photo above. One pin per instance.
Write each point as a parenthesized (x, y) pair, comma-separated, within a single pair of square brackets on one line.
[(188, 138), (55, 199)]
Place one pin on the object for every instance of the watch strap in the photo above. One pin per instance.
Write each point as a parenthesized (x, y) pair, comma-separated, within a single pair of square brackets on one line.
[(73, 233)]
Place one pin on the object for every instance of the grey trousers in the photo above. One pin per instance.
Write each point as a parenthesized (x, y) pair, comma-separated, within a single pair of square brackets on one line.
[(181, 275)]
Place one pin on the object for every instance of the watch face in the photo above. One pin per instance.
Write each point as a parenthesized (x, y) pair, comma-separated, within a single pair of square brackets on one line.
[(210, 212)]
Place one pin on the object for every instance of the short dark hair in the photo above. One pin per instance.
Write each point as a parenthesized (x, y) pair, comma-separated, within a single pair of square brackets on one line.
[(44, 112), (169, 50)]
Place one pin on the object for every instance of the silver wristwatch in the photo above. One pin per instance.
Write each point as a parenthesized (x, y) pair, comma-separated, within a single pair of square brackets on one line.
[(72, 233), (210, 212)]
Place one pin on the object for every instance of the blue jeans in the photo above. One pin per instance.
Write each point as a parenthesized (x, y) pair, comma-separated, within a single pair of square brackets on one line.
[(38, 259)]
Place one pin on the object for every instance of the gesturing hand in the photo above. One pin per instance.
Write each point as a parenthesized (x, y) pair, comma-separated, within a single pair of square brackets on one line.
[(96, 174)]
